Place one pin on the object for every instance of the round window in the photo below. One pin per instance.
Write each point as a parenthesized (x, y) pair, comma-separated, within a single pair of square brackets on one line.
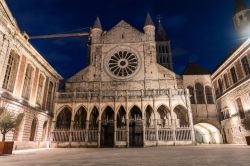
[(123, 63)]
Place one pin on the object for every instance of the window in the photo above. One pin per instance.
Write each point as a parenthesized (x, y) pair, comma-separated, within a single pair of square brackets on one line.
[(160, 50), (11, 72), (49, 97), (234, 75), (226, 80), (39, 90), (209, 95), (164, 59), (27, 82), (240, 108), (225, 115), (220, 82), (166, 49), (191, 92), (200, 98), (245, 64)]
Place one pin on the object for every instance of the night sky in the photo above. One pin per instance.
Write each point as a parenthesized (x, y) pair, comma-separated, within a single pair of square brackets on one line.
[(201, 31)]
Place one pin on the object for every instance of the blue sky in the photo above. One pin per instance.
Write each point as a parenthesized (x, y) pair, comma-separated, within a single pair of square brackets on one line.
[(201, 31)]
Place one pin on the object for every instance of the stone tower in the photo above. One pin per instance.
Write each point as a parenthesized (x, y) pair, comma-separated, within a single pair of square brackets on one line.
[(163, 47), (242, 18)]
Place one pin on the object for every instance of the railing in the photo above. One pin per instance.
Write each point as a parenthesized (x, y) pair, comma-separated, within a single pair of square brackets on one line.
[(183, 134), (93, 135), (150, 134), (79, 135), (61, 135), (121, 135), (120, 93), (165, 134)]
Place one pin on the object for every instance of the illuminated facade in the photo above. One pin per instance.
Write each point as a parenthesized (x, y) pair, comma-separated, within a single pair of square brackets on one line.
[(27, 84)]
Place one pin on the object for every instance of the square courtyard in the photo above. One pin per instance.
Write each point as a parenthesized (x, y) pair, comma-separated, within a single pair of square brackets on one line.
[(216, 155)]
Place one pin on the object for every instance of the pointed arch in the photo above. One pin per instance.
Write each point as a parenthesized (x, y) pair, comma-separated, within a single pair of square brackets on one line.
[(209, 95), (80, 118), (149, 116), (199, 89), (121, 117), (63, 120), (181, 116), (191, 93), (135, 113), (163, 117), (93, 119), (108, 114)]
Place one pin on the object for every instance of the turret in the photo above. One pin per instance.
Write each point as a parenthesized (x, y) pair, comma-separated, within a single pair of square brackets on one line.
[(242, 19), (96, 31), (149, 28)]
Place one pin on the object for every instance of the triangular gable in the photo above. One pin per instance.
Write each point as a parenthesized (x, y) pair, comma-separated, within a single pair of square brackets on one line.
[(122, 32)]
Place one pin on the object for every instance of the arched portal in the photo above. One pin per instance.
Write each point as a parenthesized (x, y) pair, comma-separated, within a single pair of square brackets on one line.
[(163, 117), (206, 133), (80, 119), (107, 130), (19, 123), (180, 117), (33, 129), (135, 127), (63, 120)]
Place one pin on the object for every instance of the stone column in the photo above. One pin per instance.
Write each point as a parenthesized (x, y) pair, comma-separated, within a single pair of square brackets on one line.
[(99, 132), (87, 131), (70, 132), (172, 113), (156, 132), (190, 116), (127, 119), (115, 127)]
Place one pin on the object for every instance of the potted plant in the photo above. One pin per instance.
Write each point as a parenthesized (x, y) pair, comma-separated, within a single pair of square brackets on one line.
[(7, 124)]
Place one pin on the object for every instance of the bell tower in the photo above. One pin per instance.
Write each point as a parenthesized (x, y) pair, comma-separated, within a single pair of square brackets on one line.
[(241, 19), (163, 47)]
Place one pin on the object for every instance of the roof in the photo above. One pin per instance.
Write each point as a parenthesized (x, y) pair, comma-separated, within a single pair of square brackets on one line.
[(161, 34), (97, 23), (195, 69), (148, 21), (240, 5)]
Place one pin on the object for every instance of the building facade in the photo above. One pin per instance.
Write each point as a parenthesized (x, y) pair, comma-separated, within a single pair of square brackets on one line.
[(232, 88), (27, 84), (124, 97)]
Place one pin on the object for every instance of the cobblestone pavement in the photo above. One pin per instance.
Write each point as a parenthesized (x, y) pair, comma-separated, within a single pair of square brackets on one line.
[(220, 155)]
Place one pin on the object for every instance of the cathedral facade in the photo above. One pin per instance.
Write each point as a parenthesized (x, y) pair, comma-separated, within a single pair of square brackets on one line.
[(124, 97)]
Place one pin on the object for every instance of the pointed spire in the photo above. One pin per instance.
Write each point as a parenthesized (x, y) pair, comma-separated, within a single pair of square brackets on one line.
[(97, 23), (161, 34), (240, 5), (148, 21)]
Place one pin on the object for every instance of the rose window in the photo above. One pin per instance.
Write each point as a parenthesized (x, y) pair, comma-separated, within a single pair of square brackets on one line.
[(123, 63)]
